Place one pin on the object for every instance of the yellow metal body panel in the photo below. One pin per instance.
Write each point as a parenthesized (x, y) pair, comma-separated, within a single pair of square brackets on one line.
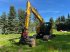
[(28, 11), (37, 15)]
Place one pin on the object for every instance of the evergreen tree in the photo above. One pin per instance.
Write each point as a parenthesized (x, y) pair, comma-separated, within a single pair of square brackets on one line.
[(68, 22), (68, 16), (52, 25), (62, 19), (11, 19), (21, 15), (51, 20), (68, 19), (4, 23), (58, 20)]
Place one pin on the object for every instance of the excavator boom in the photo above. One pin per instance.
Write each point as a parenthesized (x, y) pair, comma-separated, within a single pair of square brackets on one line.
[(28, 12)]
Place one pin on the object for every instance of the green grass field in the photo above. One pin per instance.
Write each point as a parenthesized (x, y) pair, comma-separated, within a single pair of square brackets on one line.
[(60, 43)]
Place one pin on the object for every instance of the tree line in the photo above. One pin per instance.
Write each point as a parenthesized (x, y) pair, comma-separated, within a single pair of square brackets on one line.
[(63, 23), (13, 22)]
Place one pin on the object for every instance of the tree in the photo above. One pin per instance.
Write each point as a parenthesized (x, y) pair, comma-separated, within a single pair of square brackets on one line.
[(4, 23), (51, 20), (36, 21), (58, 20), (68, 22), (52, 25), (21, 15), (63, 19), (68, 16), (11, 19), (68, 19)]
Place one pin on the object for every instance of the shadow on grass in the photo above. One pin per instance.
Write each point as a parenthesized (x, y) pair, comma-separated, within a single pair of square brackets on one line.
[(13, 42), (61, 43)]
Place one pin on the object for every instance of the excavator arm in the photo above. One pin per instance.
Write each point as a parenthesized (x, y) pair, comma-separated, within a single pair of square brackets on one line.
[(30, 9), (37, 15)]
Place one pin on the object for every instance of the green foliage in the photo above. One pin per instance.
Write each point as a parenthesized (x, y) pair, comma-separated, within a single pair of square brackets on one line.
[(52, 24), (12, 13), (4, 23), (62, 19), (11, 19), (58, 20), (51, 21), (21, 15), (14, 22), (63, 23), (36, 21)]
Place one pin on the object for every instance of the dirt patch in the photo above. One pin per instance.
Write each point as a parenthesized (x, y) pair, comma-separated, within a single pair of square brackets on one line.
[(1, 46)]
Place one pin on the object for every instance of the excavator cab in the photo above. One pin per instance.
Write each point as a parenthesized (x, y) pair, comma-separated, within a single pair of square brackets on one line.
[(44, 29)]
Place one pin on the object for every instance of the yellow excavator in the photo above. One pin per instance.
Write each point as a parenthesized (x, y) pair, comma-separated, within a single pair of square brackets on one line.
[(43, 29)]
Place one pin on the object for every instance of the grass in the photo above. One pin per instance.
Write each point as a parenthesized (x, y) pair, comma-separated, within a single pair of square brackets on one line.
[(61, 43)]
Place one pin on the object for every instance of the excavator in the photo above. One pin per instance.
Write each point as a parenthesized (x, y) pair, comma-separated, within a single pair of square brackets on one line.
[(44, 28)]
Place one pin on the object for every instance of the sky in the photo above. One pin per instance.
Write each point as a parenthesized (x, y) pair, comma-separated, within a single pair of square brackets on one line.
[(46, 8)]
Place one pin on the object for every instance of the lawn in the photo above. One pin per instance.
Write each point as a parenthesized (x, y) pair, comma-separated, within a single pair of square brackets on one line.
[(60, 43)]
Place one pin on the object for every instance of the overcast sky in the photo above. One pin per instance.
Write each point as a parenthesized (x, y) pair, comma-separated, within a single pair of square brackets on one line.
[(46, 8)]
